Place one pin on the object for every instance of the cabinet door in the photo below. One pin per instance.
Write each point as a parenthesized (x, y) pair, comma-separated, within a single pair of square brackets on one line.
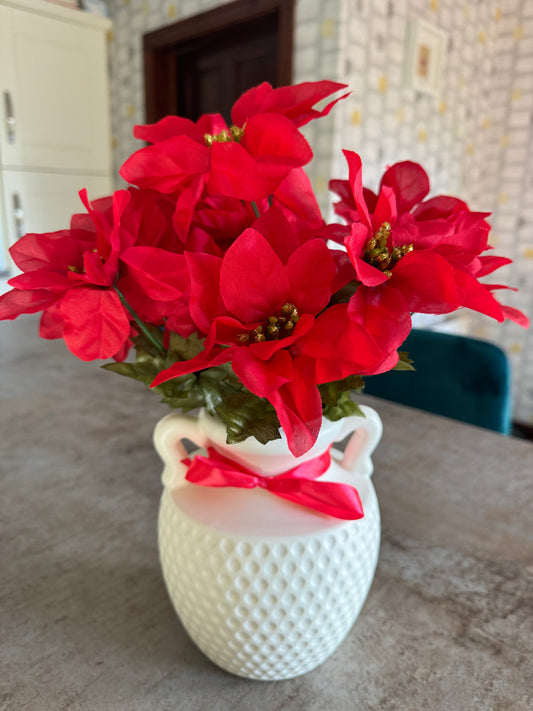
[(54, 94), (40, 202)]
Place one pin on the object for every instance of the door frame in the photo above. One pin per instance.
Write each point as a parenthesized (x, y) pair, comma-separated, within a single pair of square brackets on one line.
[(160, 74)]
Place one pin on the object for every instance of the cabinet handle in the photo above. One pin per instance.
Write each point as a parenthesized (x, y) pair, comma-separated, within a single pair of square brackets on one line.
[(18, 216), (10, 117)]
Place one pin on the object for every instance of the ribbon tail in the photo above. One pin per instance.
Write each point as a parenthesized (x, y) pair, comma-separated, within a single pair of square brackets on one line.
[(311, 469), (328, 497)]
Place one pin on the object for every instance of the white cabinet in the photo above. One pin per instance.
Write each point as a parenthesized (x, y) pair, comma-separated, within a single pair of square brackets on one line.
[(44, 202), (55, 135)]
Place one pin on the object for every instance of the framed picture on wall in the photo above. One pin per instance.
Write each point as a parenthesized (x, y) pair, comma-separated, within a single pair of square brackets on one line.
[(424, 56)]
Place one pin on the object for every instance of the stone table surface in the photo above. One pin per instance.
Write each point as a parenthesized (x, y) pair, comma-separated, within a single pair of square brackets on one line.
[(86, 624)]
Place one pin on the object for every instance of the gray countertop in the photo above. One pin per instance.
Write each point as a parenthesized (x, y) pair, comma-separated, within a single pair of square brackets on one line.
[(86, 621)]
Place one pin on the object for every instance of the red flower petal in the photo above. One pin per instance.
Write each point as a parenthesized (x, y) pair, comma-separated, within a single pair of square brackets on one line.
[(205, 299), (95, 271), (440, 206), (339, 346), (427, 282), (410, 184), (253, 282), (294, 102), (299, 407), (274, 138), (344, 267), (280, 234), (168, 127), (235, 173), (14, 303), (427, 235), (226, 330), (102, 224), (168, 165), (211, 123), (296, 199), (147, 309), (385, 210), (343, 190), (179, 318), (262, 377), (515, 315), (355, 168), (265, 349), (52, 324), (462, 235), (48, 279), (311, 271), (96, 325), (253, 169), (355, 245), (477, 297), (205, 359), (488, 264), (38, 251), (186, 206), (161, 275), (384, 313)]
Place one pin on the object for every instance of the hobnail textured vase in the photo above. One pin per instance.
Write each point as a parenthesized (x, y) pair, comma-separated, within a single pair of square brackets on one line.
[(266, 588)]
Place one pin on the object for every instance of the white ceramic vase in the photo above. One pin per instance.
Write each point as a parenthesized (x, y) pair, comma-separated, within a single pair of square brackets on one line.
[(266, 588)]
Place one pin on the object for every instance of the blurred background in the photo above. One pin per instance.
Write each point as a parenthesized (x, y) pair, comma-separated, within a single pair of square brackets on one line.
[(446, 83)]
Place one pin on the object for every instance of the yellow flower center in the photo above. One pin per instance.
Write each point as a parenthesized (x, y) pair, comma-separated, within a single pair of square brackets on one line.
[(225, 136), (275, 327), (377, 252)]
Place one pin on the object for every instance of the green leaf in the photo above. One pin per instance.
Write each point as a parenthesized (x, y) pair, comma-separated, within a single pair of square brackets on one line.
[(344, 407), (144, 343), (130, 370), (185, 348), (404, 362), (244, 414), (330, 392), (221, 392)]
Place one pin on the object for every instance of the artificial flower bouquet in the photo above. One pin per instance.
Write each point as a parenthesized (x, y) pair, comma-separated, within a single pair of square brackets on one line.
[(218, 269)]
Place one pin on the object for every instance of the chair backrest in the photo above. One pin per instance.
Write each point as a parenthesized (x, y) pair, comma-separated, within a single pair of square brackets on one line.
[(456, 376)]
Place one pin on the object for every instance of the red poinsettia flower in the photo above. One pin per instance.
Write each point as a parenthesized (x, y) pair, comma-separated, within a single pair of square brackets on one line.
[(471, 235), (216, 221), (260, 306), (384, 254), (247, 161), (430, 254), (294, 102), (77, 277)]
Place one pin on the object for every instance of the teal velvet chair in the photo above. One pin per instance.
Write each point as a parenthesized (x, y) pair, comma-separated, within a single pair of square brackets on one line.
[(456, 376)]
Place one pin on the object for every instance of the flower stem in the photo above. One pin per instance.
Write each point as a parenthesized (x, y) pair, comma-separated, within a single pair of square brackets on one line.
[(139, 323), (255, 208)]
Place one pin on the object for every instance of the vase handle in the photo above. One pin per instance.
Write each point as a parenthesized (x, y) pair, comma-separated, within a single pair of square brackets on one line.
[(168, 441), (368, 431)]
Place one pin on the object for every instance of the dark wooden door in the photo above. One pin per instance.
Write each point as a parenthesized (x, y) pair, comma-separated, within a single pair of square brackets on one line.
[(213, 72), (203, 64)]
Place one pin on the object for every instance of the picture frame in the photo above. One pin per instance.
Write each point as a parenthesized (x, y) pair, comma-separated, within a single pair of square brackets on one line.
[(424, 56)]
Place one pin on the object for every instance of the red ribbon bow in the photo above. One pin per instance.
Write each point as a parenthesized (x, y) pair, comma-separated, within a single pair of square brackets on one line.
[(297, 484)]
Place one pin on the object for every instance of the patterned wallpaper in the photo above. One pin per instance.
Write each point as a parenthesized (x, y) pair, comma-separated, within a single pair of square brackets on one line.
[(474, 138), (316, 55)]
